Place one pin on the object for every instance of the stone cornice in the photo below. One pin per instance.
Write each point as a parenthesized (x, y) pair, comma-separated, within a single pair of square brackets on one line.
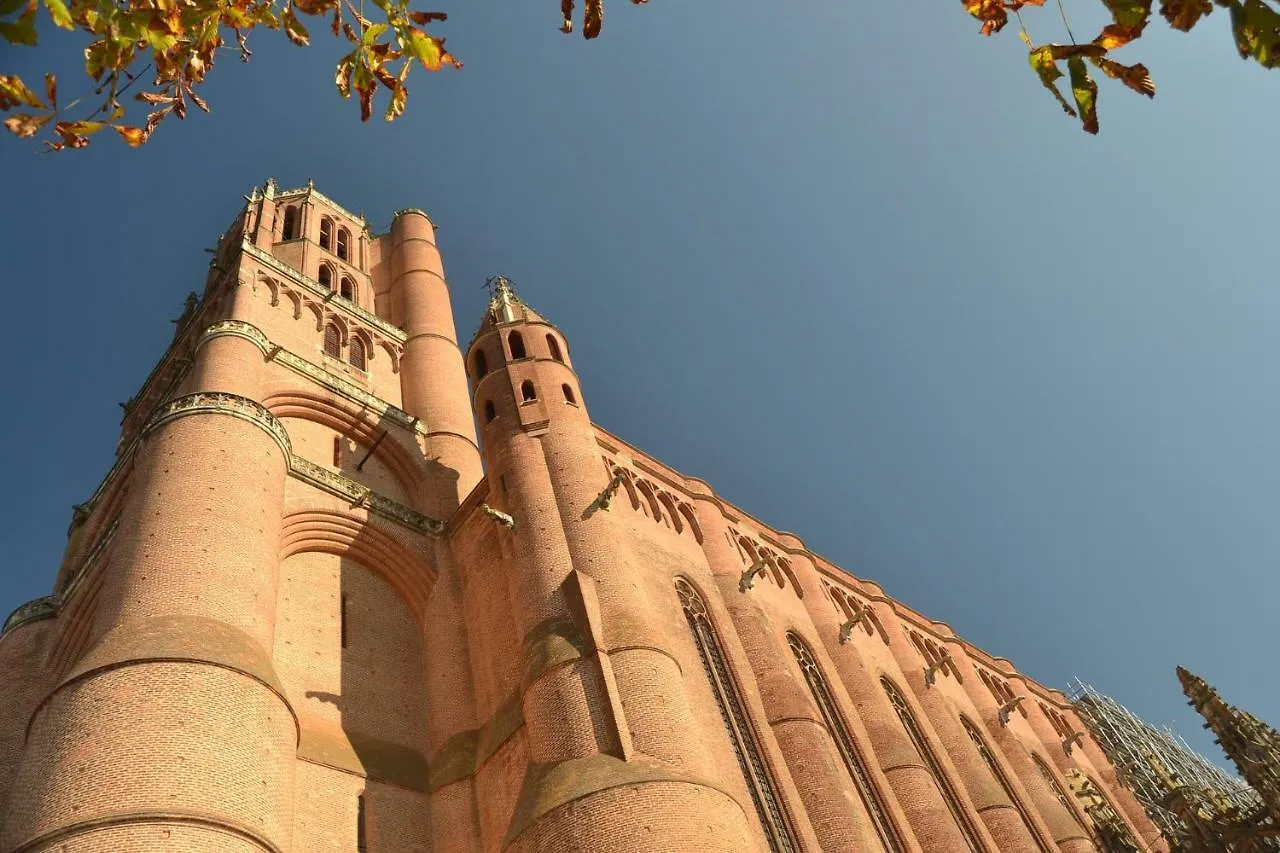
[(322, 292), (362, 496), (331, 381), (32, 611), (223, 403)]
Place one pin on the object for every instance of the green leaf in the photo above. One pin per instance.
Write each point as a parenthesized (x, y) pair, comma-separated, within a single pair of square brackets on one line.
[(1046, 69), (1086, 93), (294, 30), (23, 30), (61, 17), (370, 35), (8, 7), (1256, 27), (1130, 18)]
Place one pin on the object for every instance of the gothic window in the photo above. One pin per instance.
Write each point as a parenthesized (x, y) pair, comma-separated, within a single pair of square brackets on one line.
[(356, 352), (481, 364), (332, 341), (342, 620), (337, 451), (734, 717), (489, 411), (945, 788), (984, 751), (348, 288), (1052, 782), (554, 346), (290, 223), (568, 395), (344, 237), (326, 234), (326, 276), (849, 751), (516, 342), (527, 392)]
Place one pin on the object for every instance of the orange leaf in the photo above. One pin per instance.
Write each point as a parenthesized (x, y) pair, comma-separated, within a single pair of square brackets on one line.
[(592, 18), (1183, 14), (1135, 77), (133, 136), (427, 17), (51, 90), (13, 92), (24, 125)]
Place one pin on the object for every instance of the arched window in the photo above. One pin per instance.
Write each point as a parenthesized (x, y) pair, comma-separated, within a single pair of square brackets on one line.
[(908, 721), (734, 717), (344, 237), (849, 751), (527, 392), (332, 341), (362, 825), (481, 364), (1110, 827), (348, 288), (290, 223), (326, 234), (516, 342), (554, 346), (568, 395), (1058, 793), (356, 352), (988, 759), (326, 277), (490, 412)]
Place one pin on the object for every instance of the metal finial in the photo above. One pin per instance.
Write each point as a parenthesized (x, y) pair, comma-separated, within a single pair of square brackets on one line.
[(502, 298)]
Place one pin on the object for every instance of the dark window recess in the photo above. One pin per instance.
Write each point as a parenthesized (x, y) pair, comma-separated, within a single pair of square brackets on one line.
[(516, 342), (332, 341), (362, 825)]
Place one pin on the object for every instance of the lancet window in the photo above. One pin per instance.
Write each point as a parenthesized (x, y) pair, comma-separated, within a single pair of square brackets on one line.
[(761, 787), (332, 341), (356, 353), (849, 751), (1052, 782), (980, 743), (948, 792)]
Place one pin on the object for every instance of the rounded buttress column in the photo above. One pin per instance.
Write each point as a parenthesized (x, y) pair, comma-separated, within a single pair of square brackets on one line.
[(987, 799), (172, 732), (1055, 821), (831, 800), (433, 379)]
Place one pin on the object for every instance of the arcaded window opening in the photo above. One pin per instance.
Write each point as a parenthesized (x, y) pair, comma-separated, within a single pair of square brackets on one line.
[(516, 342), (326, 234), (490, 411), (290, 223), (849, 751), (568, 395), (348, 288), (332, 341), (326, 276), (527, 392), (750, 762), (554, 346), (481, 364), (337, 451), (1058, 793), (926, 753), (980, 743), (362, 825), (344, 238), (356, 353)]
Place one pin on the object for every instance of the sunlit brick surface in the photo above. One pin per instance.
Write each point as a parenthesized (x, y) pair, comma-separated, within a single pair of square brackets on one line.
[(315, 609)]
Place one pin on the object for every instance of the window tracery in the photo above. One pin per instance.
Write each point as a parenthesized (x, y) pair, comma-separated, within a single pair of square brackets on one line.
[(759, 785), (849, 750), (980, 743), (945, 788)]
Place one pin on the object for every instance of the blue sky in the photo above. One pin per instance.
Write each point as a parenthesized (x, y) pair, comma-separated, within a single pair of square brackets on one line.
[(848, 262)]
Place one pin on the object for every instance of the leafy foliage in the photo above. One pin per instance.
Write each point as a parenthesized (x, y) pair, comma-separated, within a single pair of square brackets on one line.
[(171, 45)]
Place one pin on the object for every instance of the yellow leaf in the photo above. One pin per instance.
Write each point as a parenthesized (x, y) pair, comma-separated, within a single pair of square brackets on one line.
[(133, 136), (398, 97), (25, 125), (1046, 69), (51, 90), (294, 30), (1085, 91), (13, 91), (59, 13)]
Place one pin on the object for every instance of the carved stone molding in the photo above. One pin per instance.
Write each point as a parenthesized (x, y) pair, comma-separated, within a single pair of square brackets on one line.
[(332, 382), (323, 293), (222, 403), (90, 560), (360, 495), (40, 608)]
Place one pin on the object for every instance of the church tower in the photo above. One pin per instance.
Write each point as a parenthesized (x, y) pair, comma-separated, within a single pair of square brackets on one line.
[(350, 588)]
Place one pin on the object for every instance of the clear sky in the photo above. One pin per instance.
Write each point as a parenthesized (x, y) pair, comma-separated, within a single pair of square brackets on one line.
[(848, 262)]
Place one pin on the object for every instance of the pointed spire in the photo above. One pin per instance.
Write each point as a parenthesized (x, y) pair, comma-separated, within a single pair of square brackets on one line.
[(1252, 745), (502, 299)]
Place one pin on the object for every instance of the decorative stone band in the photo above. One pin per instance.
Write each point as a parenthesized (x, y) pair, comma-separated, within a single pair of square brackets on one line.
[(359, 495), (88, 562), (40, 608), (299, 365), (210, 823), (321, 291), (222, 403)]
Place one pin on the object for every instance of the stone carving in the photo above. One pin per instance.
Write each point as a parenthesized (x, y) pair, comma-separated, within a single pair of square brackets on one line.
[(220, 402), (498, 516), (359, 495), (40, 608)]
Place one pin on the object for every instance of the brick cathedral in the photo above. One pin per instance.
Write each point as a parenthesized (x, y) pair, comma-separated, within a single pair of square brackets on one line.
[(352, 586)]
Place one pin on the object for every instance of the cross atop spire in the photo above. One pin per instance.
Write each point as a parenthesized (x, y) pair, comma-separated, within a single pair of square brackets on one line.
[(502, 299)]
